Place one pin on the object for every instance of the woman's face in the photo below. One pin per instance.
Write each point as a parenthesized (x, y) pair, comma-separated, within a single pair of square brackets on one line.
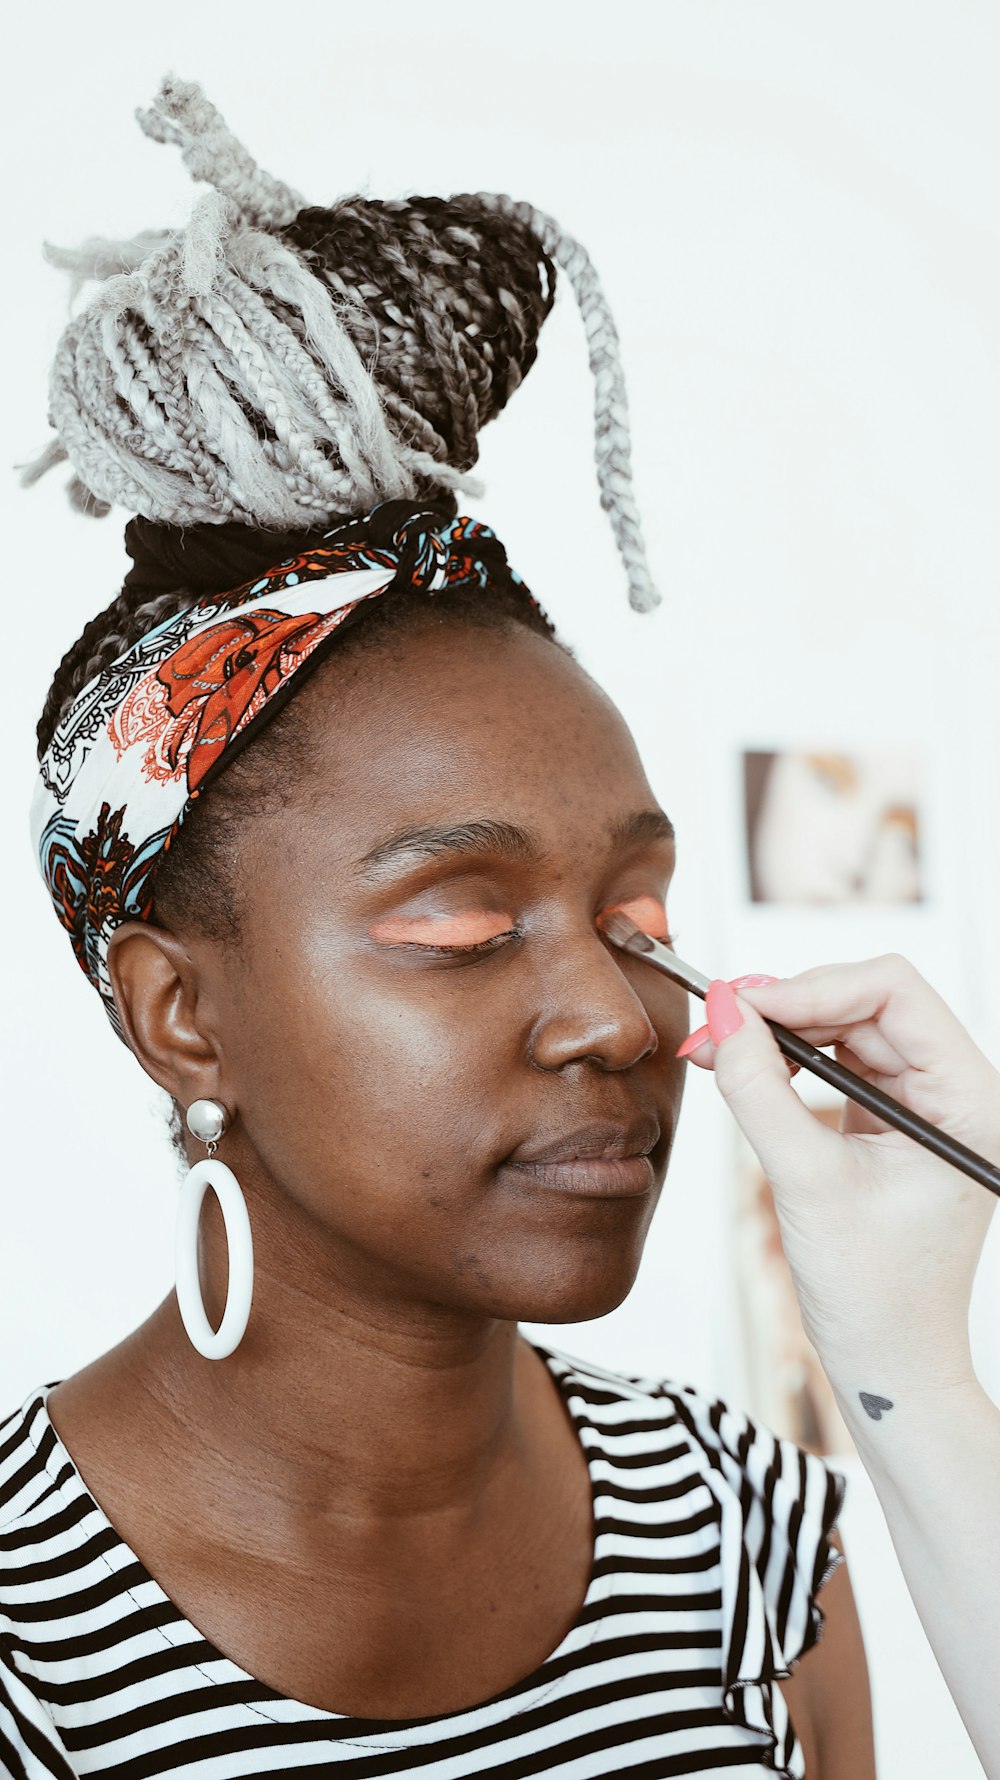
[(381, 1082)]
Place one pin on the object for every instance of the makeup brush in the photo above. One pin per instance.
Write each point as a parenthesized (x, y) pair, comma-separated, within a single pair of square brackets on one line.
[(631, 938)]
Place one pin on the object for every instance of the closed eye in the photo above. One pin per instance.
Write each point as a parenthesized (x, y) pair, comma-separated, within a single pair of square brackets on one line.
[(481, 945), (480, 930), (647, 912)]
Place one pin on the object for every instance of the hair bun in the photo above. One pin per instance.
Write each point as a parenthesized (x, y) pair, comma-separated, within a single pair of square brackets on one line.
[(275, 364)]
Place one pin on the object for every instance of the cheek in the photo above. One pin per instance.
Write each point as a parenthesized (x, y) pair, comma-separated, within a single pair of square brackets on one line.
[(359, 1092), (354, 1083)]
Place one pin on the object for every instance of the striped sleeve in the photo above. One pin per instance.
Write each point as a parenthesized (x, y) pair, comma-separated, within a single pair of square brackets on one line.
[(30, 1748), (779, 1503)]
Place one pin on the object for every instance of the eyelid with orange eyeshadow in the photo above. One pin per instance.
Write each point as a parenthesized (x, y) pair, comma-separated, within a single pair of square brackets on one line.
[(391, 931), (475, 927)]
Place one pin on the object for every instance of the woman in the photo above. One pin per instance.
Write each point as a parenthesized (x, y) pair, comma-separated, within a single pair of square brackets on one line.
[(336, 855)]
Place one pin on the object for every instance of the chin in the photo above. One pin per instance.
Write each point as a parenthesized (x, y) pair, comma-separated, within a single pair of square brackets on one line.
[(575, 1307), (566, 1293), (570, 1262)]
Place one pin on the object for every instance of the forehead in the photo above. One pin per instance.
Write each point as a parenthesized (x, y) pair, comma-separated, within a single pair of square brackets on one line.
[(461, 722)]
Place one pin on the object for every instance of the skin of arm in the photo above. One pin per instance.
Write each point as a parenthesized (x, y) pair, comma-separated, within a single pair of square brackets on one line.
[(935, 1462), (828, 1693)]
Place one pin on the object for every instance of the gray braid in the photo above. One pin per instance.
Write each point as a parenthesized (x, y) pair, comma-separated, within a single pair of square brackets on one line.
[(612, 441), (275, 365), (181, 114)]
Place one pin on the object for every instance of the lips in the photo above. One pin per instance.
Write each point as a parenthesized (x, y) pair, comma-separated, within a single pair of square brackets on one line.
[(607, 1159), (608, 1139)]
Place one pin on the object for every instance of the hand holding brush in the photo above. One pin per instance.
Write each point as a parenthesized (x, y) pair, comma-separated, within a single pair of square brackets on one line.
[(881, 1223), (883, 1236)]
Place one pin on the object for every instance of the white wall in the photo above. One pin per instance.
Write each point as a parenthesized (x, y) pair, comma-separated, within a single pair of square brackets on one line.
[(794, 210)]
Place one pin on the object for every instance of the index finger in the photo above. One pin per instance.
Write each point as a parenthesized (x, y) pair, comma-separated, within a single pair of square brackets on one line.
[(888, 992)]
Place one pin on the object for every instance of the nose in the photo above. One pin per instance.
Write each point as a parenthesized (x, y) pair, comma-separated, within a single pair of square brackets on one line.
[(588, 1009)]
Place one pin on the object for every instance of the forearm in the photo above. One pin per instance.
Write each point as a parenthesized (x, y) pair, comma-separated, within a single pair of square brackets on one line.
[(934, 1459)]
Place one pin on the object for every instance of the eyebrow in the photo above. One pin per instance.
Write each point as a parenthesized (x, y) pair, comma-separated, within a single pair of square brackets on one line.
[(485, 836)]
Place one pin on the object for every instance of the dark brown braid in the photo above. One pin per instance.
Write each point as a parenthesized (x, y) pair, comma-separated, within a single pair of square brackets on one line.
[(457, 311)]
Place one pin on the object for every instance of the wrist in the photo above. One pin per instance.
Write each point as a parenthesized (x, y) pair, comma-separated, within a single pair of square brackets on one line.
[(895, 1410), (925, 1361)]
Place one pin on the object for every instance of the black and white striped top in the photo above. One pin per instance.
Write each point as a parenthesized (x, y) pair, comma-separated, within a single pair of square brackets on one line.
[(711, 1545)]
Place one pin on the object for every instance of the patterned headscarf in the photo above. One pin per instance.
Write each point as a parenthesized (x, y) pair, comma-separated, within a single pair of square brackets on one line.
[(146, 736)]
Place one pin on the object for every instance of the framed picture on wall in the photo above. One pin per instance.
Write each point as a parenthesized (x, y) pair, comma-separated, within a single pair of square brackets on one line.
[(822, 827)]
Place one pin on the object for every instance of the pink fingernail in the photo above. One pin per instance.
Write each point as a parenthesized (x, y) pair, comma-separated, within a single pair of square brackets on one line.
[(691, 1044), (724, 1017), (750, 982)]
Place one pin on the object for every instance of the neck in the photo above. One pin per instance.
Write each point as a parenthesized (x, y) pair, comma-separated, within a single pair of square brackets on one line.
[(341, 1406)]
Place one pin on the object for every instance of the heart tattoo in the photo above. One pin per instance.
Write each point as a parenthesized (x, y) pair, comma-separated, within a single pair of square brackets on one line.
[(874, 1406)]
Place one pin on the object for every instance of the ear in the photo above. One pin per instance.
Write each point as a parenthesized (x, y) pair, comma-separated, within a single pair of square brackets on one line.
[(159, 997)]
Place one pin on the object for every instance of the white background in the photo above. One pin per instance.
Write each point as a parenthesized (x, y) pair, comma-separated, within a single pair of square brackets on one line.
[(795, 214)]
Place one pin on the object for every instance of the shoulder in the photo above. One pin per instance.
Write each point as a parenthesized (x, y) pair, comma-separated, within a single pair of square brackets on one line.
[(30, 1499), (23, 1453), (33, 1503), (602, 1386), (787, 1498), (789, 1617), (786, 1481), (29, 1743)]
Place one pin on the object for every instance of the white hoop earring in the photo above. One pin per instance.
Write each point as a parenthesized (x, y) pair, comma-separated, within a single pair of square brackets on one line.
[(207, 1120)]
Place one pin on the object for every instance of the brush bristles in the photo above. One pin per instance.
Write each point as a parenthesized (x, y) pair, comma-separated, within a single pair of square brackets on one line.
[(631, 938), (625, 933)]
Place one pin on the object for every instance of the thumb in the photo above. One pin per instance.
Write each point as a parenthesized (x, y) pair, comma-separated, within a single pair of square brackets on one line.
[(752, 1076)]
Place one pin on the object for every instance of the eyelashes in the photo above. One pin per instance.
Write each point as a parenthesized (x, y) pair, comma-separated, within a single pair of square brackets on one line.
[(492, 945), (481, 945)]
